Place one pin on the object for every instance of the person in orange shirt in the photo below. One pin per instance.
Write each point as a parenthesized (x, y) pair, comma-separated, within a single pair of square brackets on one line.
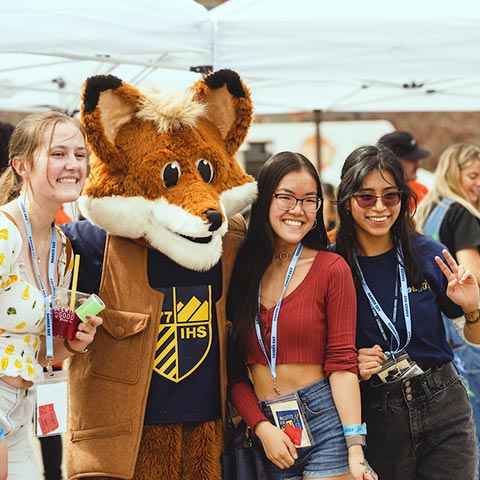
[(61, 217), (405, 146)]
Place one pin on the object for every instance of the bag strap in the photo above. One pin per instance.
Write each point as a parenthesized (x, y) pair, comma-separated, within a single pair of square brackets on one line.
[(9, 217), (435, 219), (432, 229), (69, 249)]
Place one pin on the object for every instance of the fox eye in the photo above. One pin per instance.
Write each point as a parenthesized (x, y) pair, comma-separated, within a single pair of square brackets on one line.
[(205, 169), (170, 174)]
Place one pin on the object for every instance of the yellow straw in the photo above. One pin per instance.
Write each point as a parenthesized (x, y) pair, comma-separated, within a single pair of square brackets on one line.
[(74, 282)]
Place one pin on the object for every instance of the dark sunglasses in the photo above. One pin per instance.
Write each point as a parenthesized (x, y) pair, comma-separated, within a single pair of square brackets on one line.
[(389, 199)]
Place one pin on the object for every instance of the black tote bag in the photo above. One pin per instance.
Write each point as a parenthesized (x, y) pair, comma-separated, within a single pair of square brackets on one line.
[(243, 459)]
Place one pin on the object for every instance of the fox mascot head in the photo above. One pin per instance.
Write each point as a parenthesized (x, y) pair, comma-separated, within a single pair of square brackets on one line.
[(163, 166)]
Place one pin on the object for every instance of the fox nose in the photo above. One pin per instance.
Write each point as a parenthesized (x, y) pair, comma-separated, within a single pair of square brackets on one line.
[(215, 219)]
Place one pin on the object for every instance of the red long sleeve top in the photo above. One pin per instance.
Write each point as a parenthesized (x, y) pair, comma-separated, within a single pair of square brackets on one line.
[(316, 324)]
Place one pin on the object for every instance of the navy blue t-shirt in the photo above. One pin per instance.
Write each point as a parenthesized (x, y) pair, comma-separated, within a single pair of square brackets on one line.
[(185, 384), (428, 345)]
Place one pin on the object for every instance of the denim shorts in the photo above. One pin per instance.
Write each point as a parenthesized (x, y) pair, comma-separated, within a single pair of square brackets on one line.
[(421, 428), (328, 456)]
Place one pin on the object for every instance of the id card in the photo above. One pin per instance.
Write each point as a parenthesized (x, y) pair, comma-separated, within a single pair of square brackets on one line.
[(51, 408), (288, 416), (398, 367)]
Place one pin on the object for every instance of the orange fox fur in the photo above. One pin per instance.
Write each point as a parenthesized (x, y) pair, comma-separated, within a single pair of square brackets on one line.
[(163, 170), (149, 155)]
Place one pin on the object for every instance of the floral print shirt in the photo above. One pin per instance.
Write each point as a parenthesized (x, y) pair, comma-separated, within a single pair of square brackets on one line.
[(22, 309)]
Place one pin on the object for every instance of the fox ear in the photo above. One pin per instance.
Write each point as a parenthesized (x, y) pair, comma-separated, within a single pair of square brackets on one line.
[(229, 106), (108, 103)]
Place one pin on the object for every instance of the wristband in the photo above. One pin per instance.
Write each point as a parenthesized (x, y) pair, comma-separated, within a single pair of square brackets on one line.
[(355, 429), (71, 350), (2, 434), (356, 440)]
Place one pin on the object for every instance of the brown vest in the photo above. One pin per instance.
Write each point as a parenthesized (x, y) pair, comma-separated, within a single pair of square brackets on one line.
[(109, 385)]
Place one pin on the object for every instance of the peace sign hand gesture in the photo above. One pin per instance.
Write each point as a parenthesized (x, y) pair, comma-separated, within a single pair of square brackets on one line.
[(462, 286)]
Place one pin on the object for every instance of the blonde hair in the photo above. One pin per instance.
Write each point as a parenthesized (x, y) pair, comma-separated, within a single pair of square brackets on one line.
[(27, 136), (447, 181)]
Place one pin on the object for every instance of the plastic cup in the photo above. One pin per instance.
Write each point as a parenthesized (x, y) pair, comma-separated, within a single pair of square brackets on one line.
[(91, 306), (65, 320)]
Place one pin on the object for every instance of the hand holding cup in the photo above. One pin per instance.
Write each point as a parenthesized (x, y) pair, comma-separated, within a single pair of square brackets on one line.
[(72, 315)]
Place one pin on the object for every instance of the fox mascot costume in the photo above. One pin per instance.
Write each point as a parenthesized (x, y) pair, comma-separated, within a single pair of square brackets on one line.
[(148, 399)]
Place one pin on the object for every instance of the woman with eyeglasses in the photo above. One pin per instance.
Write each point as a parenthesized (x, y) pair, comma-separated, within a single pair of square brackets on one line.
[(419, 418), (292, 304)]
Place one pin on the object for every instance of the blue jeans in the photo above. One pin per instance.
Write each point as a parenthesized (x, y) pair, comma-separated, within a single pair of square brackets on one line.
[(328, 456), (467, 361), (421, 428)]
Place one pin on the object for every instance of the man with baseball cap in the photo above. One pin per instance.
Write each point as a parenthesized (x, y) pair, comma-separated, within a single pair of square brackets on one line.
[(407, 150)]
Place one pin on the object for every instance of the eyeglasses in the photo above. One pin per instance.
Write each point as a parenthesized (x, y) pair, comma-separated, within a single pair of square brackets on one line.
[(289, 202), (389, 199)]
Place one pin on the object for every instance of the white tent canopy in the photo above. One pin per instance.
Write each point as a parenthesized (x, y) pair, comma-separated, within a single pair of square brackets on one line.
[(353, 55), (49, 47), (295, 55)]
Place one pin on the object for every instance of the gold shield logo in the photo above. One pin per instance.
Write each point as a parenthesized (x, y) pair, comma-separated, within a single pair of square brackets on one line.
[(185, 332)]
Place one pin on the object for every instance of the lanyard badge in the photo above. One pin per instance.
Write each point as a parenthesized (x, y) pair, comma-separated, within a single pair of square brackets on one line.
[(272, 361), (380, 315), (51, 276), (51, 411), (288, 415)]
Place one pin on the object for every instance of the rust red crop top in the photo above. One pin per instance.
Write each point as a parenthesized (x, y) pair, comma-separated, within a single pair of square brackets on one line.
[(316, 324)]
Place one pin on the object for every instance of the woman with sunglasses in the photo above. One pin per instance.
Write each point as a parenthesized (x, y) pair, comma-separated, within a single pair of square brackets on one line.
[(292, 304), (419, 418)]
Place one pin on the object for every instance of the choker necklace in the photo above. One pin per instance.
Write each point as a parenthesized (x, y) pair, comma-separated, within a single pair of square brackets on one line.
[(283, 256)]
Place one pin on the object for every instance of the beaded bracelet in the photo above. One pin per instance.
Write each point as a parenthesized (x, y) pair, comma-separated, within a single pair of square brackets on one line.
[(2, 434), (71, 350), (473, 317)]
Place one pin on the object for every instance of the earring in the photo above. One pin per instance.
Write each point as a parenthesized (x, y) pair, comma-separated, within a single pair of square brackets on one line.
[(314, 224)]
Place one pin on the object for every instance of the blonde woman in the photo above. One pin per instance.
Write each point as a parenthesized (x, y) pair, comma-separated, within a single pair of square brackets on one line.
[(457, 183), (47, 167), (450, 213)]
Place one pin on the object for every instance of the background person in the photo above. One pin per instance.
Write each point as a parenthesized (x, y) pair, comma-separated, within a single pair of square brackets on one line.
[(405, 146), (457, 179), (47, 166), (419, 426), (6, 130), (315, 316), (450, 213), (329, 207)]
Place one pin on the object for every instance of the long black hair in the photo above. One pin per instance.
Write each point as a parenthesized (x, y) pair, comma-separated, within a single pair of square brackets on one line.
[(361, 162), (258, 249)]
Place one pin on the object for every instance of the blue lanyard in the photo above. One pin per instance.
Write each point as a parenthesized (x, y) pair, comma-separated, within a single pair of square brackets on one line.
[(51, 276), (272, 362), (378, 312)]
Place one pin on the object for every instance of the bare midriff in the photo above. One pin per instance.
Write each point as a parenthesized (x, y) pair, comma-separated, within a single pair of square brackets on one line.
[(16, 382), (290, 377)]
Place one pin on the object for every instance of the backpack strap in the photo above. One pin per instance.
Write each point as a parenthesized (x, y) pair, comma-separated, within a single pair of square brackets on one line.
[(68, 246), (435, 219), (9, 217), (69, 250)]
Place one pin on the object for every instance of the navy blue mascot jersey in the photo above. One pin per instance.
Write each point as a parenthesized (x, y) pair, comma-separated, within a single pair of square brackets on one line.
[(185, 385)]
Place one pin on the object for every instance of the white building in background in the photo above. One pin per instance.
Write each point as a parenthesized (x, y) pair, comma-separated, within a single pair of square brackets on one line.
[(338, 139)]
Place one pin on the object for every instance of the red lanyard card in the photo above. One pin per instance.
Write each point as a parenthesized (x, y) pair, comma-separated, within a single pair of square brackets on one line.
[(51, 409), (289, 417)]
